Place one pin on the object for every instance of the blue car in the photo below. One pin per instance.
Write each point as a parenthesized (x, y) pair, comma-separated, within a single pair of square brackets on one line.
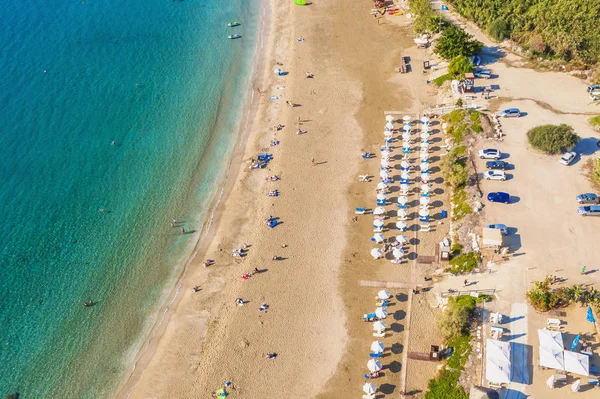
[(501, 165), (499, 197)]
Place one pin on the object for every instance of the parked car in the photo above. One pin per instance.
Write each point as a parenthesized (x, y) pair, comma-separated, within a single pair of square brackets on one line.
[(501, 227), (588, 198), (489, 153), (590, 210), (501, 165), (494, 175), (592, 88), (482, 73), (499, 197), (567, 157), (511, 113)]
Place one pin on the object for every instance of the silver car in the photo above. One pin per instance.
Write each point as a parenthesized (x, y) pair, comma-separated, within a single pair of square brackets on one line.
[(590, 210), (494, 175)]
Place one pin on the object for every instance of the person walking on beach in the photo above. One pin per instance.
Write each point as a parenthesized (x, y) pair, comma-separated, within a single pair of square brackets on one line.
[(183, 230), (583, 270), (466, 282)]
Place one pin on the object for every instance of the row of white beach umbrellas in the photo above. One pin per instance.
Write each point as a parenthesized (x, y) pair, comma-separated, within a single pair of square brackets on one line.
[(377, 347)]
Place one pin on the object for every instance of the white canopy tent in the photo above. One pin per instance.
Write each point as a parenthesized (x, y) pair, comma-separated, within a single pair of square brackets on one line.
[(551, 339), (577, 363), (552, 359), (497, 361)]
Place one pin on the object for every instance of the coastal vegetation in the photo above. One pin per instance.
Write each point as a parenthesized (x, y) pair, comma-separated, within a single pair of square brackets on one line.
[(595, 122), (460, 65), (552, 139), (454, 325), (454, 42), (464, 263), (461, 123), (596, 171), (425, 20), (544, 297), (561, 29)]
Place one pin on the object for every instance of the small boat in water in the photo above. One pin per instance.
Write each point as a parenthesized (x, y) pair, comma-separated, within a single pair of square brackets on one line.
[(235, 36), (232, 24)]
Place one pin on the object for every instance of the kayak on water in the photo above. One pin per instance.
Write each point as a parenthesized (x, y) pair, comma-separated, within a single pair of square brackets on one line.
[(236, 36), (232, 24)]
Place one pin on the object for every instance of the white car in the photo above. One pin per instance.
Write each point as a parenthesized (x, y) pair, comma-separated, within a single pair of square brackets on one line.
[(567, 157), (489, 153), (494, 175)]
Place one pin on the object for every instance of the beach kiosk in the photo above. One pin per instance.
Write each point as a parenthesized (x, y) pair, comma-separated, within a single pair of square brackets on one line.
[(469, 82), (492, 238)]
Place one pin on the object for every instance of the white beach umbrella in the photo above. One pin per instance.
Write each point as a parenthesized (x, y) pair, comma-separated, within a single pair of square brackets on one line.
[(381, 197), (379, 326), (388, 133), (425, 135), (374, 365), (424, 166), (407, 118), (378, 224), (377, 347), (426, 128), (405, 174), (402, 200), (407, 126), (383, 294), (385, 156), (424, 156), (402, 239), (424, 144), (404, 164), (384, 175), (424, 200), (389, 126), (402, 213), (425, 176), (404, 187), (376, 253), (398, 253), (444, 125), (369, 388), (425, 188), (379, 238), (406, 136), (424, 212), (381, 313), (389, 118), (576, 386), (550, 381), (401, 225), (425, 120), (379, 210), (381, 185), (385, 162)]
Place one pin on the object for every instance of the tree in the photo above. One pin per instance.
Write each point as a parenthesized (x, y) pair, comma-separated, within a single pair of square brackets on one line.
[(552, 139), (460, 65), (455, 41), (499, 30)]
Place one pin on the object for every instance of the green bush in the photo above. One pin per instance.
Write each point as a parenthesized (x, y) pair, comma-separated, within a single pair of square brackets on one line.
[(476, 128), (425, 20), (459, 102), (447, 386), (552, 139), (474, 115), (596, 170), (460, 65), (439, 81), (464, 263), (595, 121), (461, 206), (454, 42), (499, 30), (542, 297)]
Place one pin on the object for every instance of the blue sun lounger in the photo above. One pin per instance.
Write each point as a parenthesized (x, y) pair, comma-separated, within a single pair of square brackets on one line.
[(273, 223), (367, 156), (374, 355), (360, 211)]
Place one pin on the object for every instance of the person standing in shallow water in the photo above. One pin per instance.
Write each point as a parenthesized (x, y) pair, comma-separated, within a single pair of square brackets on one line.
[(183, 230)]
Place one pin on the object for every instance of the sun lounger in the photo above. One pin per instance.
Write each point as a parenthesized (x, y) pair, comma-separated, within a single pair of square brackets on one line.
[(368, 396), (380, 202), (379, 335), (363, 177), (367, 156), (273, 223), (425, 228), (382, 303), (374, 355), (360, 211)]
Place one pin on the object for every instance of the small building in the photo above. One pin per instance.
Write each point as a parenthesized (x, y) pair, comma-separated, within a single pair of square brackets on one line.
[(492, 238), (469, 82)]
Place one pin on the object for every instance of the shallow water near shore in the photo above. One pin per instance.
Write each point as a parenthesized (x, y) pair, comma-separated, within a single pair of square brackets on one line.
[(83, 218)]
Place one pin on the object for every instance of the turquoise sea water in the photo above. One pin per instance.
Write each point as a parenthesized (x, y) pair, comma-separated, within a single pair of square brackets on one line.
[(160, 79)]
